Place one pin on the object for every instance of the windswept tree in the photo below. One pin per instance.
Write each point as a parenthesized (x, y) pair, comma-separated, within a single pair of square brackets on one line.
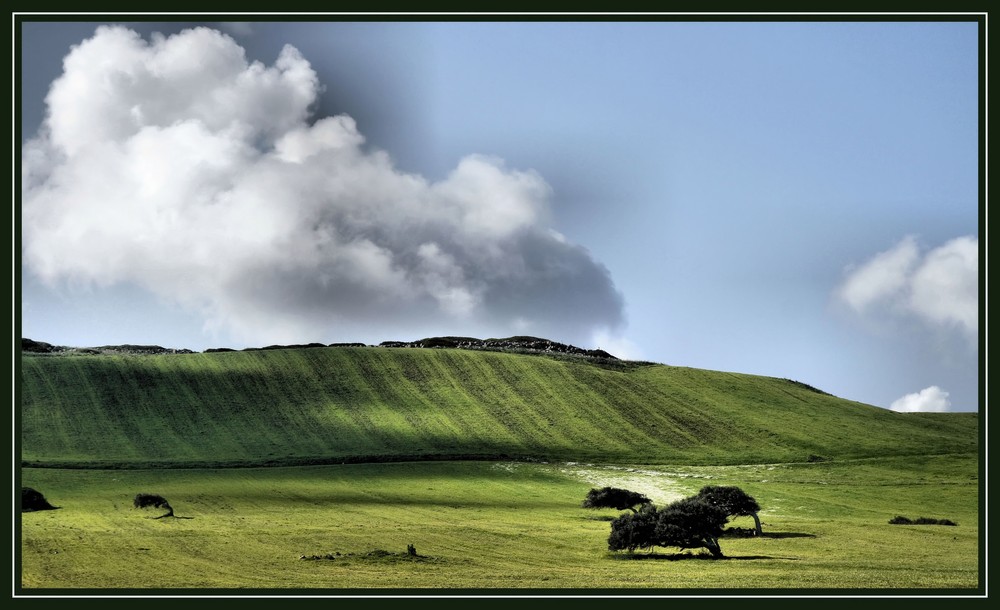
[(633, 531), (691, 523), (733, 500), (616, 498), (145, 500), (687, 524), (32, 500)]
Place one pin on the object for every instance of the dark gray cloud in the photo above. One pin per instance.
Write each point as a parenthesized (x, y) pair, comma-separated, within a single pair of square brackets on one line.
[(178, 165)]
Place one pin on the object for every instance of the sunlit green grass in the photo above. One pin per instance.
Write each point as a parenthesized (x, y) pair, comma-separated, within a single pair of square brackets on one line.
[(96, 430), (328, 405), (495, 526)]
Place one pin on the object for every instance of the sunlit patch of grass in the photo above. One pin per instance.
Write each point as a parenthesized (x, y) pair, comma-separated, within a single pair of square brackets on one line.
[(485, 526)]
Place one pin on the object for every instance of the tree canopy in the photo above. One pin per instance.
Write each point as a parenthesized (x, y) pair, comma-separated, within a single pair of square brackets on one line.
[(733, 500), (614, 497), (689, 523), (32, 500), (145, 500)]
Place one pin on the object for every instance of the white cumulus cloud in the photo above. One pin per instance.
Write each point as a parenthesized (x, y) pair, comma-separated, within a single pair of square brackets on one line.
[(177, 165), (932, 399), (939, 287)]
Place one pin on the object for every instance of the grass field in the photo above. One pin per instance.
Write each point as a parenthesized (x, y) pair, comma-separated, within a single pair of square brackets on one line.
[(338, 404), (478, 459), (495, 525)]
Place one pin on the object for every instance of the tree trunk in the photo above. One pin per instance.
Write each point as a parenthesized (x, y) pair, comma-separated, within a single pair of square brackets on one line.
[(169, 514), (713, 546), (756, 520)]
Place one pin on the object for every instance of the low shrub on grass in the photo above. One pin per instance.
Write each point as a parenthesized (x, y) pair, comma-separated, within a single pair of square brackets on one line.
[(145, 500), (374, 555), (614, 497), (32, 500), (901, 520)]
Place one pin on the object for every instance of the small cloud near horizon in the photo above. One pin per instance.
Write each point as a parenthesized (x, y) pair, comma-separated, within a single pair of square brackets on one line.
[(929, 400)]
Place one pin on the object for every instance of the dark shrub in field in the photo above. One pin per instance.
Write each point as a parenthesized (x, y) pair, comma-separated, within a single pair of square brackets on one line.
[(145, 500), (32, 500), (614, 497), (929, 521), (901, 520)]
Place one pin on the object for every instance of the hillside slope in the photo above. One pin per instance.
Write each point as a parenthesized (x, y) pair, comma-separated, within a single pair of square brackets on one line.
[(328, 405)]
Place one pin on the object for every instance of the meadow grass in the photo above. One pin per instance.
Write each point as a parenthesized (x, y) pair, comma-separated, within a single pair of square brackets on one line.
[(333, 405), (496, 526), (199, 429)]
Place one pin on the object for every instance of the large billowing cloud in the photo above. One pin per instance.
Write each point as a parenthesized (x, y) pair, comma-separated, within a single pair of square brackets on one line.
[(939, 287), (928, 400), (176, 165)]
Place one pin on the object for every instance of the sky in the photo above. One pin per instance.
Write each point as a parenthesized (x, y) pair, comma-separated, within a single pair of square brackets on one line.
[(791, 199)]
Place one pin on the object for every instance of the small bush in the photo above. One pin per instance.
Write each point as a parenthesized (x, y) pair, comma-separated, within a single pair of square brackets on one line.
[(901, 520), (614, 497), (32, 500), (378, 556), (929, 521), (150, 500), (145, 500), (330, 556)]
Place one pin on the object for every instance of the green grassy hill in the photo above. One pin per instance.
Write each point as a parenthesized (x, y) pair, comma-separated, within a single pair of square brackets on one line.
[(330, 405)]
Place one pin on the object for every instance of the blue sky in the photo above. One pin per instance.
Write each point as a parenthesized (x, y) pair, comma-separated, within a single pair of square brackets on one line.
[(796, 200)]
